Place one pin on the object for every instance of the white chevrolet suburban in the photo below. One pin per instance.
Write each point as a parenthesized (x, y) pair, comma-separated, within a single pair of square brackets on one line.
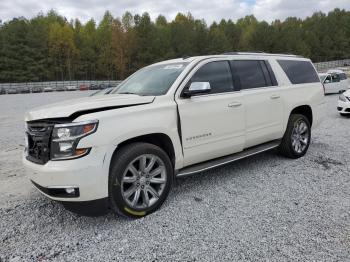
[(170, 119)]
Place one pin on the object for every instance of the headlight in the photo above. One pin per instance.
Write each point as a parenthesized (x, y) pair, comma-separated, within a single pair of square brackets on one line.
[(65, 139), (342, 98)]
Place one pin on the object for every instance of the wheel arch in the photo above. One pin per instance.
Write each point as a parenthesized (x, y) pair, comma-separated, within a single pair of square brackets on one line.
[(304, 110), (159, 139)]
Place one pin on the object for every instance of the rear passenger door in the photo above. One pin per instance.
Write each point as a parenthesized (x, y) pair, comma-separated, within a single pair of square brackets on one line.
[(262, 100)]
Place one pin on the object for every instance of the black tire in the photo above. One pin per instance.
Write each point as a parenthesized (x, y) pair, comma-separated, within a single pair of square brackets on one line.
[(119, 165), (345, 115), (286, 148)]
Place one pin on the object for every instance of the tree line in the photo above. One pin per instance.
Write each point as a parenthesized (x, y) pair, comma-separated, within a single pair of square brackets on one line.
[(48, 47)]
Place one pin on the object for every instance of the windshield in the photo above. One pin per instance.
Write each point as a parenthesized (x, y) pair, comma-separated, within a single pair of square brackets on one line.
[(153, 80)]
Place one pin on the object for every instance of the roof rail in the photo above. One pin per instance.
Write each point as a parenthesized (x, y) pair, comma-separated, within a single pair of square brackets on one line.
[(259, 53)]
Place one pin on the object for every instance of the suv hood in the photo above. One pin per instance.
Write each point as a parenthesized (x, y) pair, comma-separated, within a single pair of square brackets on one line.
[(80, 106)]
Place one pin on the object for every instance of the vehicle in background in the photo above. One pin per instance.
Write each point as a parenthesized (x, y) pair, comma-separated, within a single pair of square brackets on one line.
[(344, 103), (334, 81), (2, 91), (102, 86), (71, 88), (103, 91), (167, 120), (83, 87), (111, 85), (94, 87), (37, 89), (24, 90), (48, 89), (61, 88), (12, 90), (344, 81)]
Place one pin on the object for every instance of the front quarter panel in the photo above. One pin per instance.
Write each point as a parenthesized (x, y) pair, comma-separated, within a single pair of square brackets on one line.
[(117, 126)]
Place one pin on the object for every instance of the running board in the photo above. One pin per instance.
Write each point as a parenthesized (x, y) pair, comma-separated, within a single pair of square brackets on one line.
[(227, 159)]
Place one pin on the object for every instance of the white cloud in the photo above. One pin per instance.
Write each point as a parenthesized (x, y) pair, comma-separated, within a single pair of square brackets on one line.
[(280, 9), (209, 10)]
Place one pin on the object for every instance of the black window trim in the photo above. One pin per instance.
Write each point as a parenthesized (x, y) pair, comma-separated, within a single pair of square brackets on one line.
[(267, 77), (194, 70), (271, 73), (272, 83)]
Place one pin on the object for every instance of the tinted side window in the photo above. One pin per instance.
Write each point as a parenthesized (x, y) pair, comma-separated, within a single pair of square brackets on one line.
[(342, 76), (335, 78), (250, 74), (218, 74), (299, 72)]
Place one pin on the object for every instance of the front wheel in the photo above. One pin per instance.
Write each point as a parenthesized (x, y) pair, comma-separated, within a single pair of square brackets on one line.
[(296, 139), (140, 179)]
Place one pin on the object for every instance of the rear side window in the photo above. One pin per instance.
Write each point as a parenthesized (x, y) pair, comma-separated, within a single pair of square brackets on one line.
[(299, 72), (253, 73), (218, 74), (342, 76)]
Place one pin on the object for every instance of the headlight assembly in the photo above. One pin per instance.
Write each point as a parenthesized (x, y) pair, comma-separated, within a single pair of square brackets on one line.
[(65, 139), (342, 98)]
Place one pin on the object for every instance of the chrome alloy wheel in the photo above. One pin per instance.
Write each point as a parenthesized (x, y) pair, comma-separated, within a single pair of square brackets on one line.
[(300, 136), (143, 181)]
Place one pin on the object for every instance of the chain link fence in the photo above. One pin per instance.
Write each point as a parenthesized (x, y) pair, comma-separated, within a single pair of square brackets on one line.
[(36, 87), (28, 87), (324, 66)]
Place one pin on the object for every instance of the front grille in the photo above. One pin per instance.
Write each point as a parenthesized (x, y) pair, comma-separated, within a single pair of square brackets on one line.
[(38, 146)]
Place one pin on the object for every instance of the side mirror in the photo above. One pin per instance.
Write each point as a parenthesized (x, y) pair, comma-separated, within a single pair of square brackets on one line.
[(197, 88), (327, 81)]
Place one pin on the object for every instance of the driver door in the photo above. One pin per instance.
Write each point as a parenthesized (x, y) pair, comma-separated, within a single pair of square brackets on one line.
[(212, 125)]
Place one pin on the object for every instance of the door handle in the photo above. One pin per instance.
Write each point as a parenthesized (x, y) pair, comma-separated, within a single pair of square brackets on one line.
[(234, 104), (275, 97)]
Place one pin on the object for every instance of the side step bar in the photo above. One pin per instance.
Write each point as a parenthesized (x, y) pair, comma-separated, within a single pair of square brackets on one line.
[(227, 159)]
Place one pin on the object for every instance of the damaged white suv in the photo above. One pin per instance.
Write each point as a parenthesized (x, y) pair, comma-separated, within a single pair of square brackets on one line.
[(167, 120)]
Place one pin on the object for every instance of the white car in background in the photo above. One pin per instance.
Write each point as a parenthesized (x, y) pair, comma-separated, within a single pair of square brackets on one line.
[(334, 81), (71, 88), (344, 103), (48, 89)]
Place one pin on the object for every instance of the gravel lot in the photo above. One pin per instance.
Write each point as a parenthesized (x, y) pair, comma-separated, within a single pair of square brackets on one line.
[(262, 208)]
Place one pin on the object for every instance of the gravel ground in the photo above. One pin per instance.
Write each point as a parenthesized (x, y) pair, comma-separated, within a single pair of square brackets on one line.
[(263, 208)]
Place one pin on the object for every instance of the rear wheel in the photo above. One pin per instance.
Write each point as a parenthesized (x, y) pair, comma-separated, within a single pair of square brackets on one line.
[(140, 179), (296, 139)]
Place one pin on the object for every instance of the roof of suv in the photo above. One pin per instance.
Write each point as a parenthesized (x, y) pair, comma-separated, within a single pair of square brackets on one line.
[(232, 54)]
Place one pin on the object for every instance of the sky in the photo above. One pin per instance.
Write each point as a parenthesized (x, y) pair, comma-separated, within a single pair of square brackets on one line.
[(210, 10)]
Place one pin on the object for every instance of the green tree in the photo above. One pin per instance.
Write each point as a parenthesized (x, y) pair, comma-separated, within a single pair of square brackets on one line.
[(48, 47), (105, 66)]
